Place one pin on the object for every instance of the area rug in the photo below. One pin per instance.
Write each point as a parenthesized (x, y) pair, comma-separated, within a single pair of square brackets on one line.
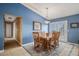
[(64, 49)]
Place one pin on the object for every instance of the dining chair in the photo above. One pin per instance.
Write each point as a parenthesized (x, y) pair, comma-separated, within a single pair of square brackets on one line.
[(56, 38), (40, 37), (52, 40), (37, 41), (47, 34)]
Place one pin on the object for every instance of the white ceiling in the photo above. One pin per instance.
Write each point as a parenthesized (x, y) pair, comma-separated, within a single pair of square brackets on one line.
[(55, 10)]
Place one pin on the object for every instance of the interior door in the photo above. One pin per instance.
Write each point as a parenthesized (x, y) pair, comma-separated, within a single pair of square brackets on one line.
[(19, 30), (8, 29)]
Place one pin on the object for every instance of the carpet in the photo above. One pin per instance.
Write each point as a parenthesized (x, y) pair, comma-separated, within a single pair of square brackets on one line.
[(64, 49)]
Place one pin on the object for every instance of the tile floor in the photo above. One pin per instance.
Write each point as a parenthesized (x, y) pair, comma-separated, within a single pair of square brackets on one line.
[(11, 48), (16, 50)]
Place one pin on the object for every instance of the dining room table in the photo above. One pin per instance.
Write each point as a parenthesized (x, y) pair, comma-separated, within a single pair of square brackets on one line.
[(46, 43)]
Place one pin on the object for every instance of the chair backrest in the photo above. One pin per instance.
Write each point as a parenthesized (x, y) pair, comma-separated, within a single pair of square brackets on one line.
[(38, 40), (43, 34), (58, 35), (55, 35), (40, 34), (35, 34), (47, 34)]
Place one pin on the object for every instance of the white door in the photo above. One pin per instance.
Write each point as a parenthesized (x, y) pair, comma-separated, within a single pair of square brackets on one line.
[(8, 30), (60, 26)]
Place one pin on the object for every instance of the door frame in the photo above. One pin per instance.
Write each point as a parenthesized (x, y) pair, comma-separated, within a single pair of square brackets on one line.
[(20, 44), (18, 22)]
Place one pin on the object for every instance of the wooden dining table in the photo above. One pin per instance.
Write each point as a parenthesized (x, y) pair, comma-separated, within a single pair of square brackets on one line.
[(46, 43)]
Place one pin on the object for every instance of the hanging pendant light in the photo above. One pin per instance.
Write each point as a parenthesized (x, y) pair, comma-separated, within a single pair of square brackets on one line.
[(47, 21)]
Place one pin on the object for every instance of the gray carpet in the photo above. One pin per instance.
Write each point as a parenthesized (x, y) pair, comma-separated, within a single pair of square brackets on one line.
[(64, 49)]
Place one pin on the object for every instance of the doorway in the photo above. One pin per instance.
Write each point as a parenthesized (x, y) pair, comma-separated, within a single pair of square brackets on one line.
[(60, 26), (12, 32)]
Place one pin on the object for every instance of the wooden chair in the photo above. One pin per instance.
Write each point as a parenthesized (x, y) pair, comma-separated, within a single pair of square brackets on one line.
[(37, 41), (57, 38), (40, 38), (47, 34), (52, 40), (46, 42)]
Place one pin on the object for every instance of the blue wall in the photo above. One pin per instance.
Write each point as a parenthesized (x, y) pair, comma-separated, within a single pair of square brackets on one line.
[(1, 33), (73, 33), (44, 28), (28, 16)]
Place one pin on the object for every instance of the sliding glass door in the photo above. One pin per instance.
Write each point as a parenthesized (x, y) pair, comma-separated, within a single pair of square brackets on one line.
[(60, 26)]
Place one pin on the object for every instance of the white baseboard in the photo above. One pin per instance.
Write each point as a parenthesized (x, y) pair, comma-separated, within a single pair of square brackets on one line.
[(60, 41), (27, 44), (74, 43), (69, 42), (1, 51)]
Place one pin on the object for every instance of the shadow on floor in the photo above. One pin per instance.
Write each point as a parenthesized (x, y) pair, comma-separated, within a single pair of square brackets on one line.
[(10, 44)]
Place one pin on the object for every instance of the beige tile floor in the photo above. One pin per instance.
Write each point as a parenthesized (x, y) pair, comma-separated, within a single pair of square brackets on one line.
[(11, 48), (19, 51)]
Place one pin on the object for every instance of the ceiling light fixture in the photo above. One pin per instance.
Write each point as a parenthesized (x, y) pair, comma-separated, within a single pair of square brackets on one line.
[(47, 16)]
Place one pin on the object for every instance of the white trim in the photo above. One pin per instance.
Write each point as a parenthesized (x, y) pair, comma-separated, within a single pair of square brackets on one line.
[(1, 51), (73, 43), (31, 8), (27, 44), (70, 43)]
